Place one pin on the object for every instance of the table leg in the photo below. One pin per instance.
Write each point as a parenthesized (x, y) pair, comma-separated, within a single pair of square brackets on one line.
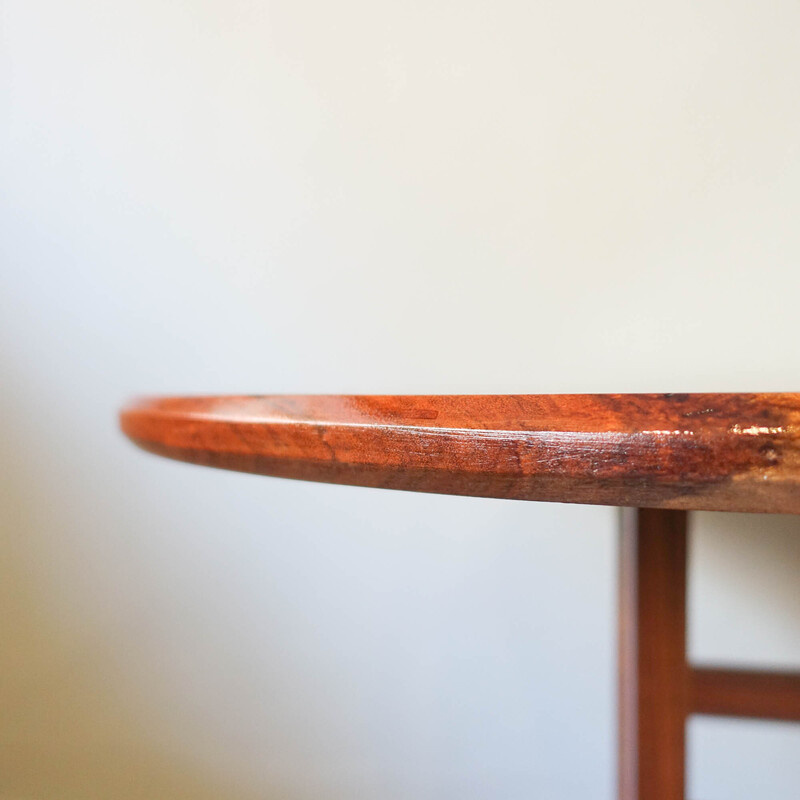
[(653, 672)]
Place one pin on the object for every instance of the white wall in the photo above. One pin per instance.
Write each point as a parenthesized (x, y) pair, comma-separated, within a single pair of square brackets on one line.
[(364, 197)]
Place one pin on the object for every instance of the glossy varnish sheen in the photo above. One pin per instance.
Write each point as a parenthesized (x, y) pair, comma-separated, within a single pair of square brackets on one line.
[(737, 452)]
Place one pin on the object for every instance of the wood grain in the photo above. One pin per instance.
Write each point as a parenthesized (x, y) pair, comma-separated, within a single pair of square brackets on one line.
[(653, 671), (745, 693), (737, 452)]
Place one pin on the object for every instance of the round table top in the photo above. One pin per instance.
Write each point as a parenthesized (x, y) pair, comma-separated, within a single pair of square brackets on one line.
[(731, 452)]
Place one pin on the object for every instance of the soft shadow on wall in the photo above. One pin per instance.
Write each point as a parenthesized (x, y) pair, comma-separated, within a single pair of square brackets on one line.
[(71, 726)]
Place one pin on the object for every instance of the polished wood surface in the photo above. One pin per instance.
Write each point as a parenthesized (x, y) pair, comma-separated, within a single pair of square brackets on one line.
[(737, 452), (653, 686), (745, 693)]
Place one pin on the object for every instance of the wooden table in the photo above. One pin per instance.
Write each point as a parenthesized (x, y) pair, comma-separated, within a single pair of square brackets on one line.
[(659, 456)]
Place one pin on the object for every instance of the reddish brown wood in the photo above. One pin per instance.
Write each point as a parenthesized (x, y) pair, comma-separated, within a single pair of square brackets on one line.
[(737, 452), (745, 693), (652, 655), (671, 453)]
